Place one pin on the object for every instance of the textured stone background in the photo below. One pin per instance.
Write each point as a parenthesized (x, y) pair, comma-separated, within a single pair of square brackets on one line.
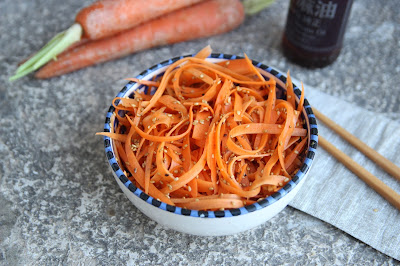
[(59, 202)]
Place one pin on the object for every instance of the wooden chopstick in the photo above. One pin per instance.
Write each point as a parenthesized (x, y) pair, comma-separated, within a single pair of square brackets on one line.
[(384, 163), (375, 183)]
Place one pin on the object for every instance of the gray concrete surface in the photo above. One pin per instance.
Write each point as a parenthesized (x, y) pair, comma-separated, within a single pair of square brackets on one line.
[(59, 202)]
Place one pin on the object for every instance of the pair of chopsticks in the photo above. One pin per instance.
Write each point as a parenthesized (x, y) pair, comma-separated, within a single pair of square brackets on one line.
[(375, 183)]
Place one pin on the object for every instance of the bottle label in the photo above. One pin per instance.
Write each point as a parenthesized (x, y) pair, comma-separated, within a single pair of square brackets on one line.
[(317, 25)]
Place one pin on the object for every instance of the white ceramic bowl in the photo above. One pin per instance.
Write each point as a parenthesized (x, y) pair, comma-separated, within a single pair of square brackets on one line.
[(212, 223)]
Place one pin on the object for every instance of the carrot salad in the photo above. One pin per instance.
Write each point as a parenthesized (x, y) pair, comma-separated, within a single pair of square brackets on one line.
[(213, 136)]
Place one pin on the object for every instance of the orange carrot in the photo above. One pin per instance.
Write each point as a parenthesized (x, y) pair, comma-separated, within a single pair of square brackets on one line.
[(105, 18), (224, 152), (100, 20), (197, 21)]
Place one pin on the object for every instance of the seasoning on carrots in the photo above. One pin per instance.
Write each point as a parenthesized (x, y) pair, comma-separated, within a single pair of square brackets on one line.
[(206, 139)]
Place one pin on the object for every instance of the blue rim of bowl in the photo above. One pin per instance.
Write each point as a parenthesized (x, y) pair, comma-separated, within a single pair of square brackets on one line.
[(313, 143)]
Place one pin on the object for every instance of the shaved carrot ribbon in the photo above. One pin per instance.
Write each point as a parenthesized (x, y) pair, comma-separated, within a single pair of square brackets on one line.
[(213, 136)]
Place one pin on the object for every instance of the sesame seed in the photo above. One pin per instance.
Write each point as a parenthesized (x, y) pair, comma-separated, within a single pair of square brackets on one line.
[(286, 179), (169, 186), (296, 152), (247, 126), (202, 121), (238, 112), (212, 156), (211, 188), (135, 170), (189, 188), (195, 122)]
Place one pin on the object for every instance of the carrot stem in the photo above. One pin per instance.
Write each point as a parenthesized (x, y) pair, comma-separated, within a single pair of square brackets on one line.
[(54, 47), (254, 6)]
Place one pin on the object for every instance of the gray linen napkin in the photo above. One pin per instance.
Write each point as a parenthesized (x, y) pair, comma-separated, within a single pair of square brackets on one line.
[(335, 195)]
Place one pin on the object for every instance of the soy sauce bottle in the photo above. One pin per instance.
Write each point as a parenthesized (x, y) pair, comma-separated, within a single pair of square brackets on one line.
[(314, 31)]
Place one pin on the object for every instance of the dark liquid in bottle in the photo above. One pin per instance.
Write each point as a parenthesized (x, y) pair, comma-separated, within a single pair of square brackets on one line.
[(314, 31)]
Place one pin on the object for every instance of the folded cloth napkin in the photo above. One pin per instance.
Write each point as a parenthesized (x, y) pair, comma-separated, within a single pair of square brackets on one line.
[(335, 195)]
